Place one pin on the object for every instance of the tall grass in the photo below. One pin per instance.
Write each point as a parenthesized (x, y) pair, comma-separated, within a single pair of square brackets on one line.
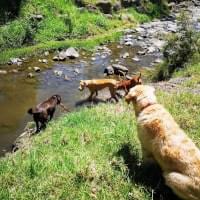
[(61, 20)]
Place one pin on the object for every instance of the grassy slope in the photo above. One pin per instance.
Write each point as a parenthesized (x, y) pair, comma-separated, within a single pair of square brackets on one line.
[(62, 25), (84, 155)]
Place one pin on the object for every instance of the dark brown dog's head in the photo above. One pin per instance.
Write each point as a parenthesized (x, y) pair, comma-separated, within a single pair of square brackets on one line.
[(136, 80), (57, 98)]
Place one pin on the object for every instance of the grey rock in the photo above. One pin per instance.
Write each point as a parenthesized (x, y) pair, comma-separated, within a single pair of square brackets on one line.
[(141, 52), (71, 53), (36, 69), (46, 53), (15, 61), (109, 71), (120, 67), (136, 59), (3, 72), (125, 55), (58, 73), (44, 61), (76, 71), (129, 43), (30, 75)]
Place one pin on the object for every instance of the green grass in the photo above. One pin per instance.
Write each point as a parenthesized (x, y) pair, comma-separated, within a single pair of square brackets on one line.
[(76, 155), (192, 71)]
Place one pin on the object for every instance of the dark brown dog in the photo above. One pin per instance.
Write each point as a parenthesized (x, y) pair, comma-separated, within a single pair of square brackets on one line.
[(44, 111), (126, 85)]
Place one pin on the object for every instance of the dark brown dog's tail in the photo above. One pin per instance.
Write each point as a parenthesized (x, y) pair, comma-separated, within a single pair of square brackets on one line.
[(63, 107), (30, 111)]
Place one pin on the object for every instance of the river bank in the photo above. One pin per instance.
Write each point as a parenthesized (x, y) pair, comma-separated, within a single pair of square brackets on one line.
[(139, 49), (94, 153)]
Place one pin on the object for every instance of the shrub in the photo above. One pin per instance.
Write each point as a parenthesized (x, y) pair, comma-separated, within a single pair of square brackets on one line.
[(154, 8), (180, 49), (13, 34)]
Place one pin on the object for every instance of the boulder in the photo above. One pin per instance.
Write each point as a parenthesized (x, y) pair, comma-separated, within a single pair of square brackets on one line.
[(71, 53), (120, 68), (105, 6), (108, 71)]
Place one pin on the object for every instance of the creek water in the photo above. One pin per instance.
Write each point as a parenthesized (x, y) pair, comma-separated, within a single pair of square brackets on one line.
[(18, 93)]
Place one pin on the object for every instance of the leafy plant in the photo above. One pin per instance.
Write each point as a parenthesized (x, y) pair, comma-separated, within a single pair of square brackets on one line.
[(180, 49)]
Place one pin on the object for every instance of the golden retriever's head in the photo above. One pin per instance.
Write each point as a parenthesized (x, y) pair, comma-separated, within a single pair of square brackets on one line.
[(82, 85), (141, 96)]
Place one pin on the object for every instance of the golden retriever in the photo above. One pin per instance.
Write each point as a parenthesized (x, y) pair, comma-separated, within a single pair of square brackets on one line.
[(165, 143), (98, 84)]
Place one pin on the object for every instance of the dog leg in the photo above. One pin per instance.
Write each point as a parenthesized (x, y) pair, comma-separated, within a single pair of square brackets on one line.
[(113, 94), (51, 113), (96, 92), (184, 186), (37, 127), (91, 95)]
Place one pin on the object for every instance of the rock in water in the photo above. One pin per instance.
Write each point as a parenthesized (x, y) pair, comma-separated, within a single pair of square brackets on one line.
[(3, 72), (37, 69), (71, 53)]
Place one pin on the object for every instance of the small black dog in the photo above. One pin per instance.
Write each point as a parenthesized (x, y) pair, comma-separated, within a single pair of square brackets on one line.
[(44, 111)]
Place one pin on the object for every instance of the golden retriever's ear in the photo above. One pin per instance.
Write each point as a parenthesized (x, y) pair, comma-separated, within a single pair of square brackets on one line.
[(131, 96)]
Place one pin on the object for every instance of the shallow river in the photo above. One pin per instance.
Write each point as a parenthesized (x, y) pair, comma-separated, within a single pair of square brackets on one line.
[(18, 93)]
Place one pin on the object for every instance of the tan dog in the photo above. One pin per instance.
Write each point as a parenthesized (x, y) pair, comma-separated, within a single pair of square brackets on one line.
[(164, 142), (98, 84)]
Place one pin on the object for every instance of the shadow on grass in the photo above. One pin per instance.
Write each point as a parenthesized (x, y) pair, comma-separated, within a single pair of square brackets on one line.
[(89, 103), (149, 175)]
